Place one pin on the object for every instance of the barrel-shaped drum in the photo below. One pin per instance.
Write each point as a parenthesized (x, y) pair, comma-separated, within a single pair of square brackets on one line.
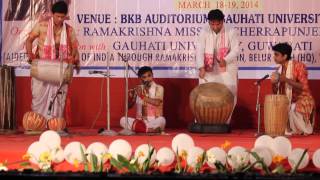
[(56, 124), (211, 103), (51, 71), (276, 109), (33, 121)]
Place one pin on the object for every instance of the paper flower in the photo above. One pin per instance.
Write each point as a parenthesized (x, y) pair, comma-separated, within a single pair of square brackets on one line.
[(295, 156), (165, 157), (182, 143), (72, 152), (195, 155), (142, 153), (121, 147), (99, 150), (238, 157), (216, 154), (281, 146), (57, 155), (35, 150), (226, 145), (51, 139), (277, 159), (3, 167)]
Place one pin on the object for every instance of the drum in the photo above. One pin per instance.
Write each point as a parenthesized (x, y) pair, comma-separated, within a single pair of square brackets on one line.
[(276, 109), (51, 71), (211, 103), (7, 99), (56, 124), (33, 122)]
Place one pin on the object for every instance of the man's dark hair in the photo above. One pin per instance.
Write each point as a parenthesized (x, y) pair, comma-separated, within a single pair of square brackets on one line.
[(284, 49), (60, 7), (215, 14), (143, 70)]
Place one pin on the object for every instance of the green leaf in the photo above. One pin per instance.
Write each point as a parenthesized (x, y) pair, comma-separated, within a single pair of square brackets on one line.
[(294, 170), (25, 164), (146, 163), (115, 163), (84, 159), (220, 167), (94, 163), (125, 163), (178, 165), (199, 164), (123, 160), (260, 161), (101, 166), (279, 170)]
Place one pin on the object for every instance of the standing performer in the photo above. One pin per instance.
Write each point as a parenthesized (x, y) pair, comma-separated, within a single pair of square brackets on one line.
[(149, 100), (55, 39), (217, 51), (292, 80)]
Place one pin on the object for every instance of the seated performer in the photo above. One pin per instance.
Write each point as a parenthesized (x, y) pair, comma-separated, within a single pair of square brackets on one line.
[(216, 56), (292, 80), (54, 39), (148, 98)]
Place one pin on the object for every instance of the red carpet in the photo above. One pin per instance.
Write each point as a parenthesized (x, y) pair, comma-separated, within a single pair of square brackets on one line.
[(13, 147)]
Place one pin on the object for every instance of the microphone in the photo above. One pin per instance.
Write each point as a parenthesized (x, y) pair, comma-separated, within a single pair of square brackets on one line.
[(262, 79), (96, 72)]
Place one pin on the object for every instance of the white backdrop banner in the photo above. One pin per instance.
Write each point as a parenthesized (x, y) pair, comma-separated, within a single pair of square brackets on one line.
[(163, 33)]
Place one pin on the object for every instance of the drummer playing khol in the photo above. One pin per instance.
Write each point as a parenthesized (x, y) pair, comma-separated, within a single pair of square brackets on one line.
[(55, 39), (216, 56), (291, 79)]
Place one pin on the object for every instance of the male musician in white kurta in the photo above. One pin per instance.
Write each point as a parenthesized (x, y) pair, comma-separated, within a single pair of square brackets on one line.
[(217, 50), (55, 38), (148, 98)]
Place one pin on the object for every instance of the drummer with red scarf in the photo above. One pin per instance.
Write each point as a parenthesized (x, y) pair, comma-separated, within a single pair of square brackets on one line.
[(55, 40), (292, 80)]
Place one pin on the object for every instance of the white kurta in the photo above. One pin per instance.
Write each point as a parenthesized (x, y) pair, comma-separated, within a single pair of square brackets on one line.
[(152, 120), (209, 38)]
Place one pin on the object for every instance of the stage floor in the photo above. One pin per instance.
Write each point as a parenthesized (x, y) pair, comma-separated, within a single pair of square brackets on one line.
[(14, 146)]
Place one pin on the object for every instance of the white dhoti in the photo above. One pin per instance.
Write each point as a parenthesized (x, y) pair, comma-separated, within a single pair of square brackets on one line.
[(297, 124), (213, 47), (43, 93), (151, 123)]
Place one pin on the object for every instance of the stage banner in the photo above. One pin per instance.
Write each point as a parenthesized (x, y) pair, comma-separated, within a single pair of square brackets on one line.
[(163, 33)]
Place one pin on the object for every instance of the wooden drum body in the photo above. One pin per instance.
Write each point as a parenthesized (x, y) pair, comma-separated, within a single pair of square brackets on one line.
[(212, 105), (51, 71), (276, 109)]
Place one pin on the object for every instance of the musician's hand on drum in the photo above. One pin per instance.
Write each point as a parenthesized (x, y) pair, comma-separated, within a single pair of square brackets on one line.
[(202, 73), (77, 67), (31, 57), (222, 63), (76, 64), (274, 77), (283, 78)]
